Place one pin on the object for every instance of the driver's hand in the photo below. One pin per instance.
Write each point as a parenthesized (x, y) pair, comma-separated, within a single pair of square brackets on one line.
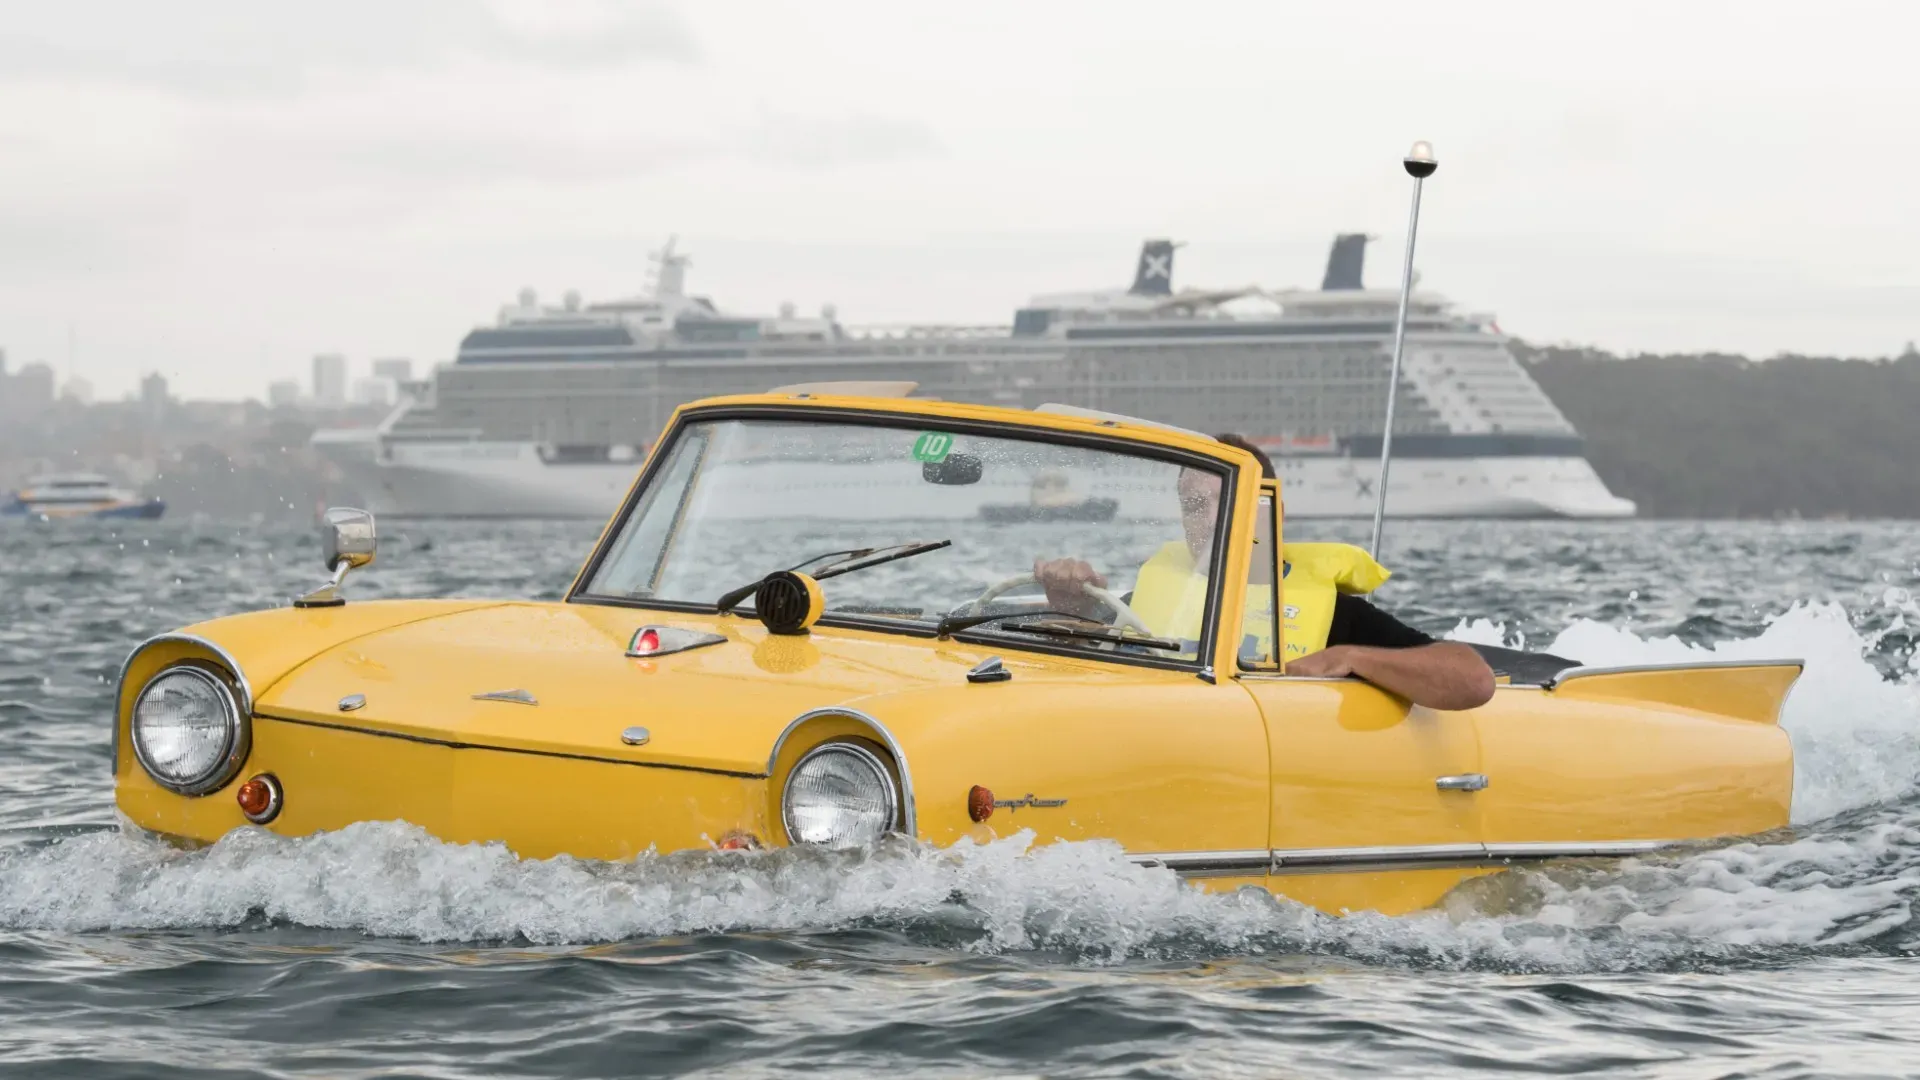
[(1063, 578)]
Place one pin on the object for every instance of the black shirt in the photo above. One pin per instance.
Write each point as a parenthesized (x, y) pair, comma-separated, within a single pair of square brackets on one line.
[(1356, 622)]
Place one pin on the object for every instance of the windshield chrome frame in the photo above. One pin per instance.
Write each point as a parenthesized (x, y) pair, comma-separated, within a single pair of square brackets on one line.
[(1228, 472)]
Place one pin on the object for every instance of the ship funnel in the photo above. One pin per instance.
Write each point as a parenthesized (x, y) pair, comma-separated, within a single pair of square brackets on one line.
[(670, 271), (1154, 274), (1346, 262)]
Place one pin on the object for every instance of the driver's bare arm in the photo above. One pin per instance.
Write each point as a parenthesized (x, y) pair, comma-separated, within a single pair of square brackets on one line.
[(1444, 675), (1063, 578)]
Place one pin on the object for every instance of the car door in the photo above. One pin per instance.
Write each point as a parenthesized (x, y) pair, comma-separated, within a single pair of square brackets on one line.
[(1373, 800)]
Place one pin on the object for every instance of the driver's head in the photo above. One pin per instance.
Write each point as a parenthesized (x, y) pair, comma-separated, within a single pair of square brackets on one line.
[(1200, 496)]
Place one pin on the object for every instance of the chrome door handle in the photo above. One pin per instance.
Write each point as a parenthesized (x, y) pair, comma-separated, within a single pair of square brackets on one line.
[(1472, 781)]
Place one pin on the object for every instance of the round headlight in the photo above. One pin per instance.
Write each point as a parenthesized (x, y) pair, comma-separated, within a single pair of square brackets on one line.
[(186, 730), (839, 795)]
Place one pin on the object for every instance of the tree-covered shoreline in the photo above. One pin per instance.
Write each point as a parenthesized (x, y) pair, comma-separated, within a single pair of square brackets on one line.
[(1718, 436)]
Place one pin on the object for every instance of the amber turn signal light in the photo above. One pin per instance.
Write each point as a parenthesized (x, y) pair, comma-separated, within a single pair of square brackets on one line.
[(260, 798), (739, 841), (979, 803)]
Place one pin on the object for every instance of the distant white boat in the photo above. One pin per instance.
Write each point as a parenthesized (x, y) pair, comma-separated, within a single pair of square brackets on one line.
[(74, 495)]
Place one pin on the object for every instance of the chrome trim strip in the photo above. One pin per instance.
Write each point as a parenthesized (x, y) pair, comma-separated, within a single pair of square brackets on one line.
[(1207, 863), (1591, 849), (1443, 856), (1275, 676), (453, 744), (1571, 674), (1419, 854), (910, 821), (245, 690)]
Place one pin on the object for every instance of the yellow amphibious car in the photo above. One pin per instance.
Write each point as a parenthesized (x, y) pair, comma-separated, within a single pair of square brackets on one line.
[(801, 628)]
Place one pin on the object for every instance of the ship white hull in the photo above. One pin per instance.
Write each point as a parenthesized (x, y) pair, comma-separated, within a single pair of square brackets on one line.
[(511, 480)]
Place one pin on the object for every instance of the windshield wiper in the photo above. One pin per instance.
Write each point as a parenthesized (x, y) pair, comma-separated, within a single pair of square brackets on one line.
[(845, 562), (1101, 631)]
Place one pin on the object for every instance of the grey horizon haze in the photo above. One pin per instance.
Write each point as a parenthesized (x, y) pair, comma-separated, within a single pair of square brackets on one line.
[(217, 190)]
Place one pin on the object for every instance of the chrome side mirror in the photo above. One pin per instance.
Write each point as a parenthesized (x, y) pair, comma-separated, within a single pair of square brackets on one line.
[(347, 543)]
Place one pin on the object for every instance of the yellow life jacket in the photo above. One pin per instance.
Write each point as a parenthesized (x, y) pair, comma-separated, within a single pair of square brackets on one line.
[(1171, 597), (1311, 576)]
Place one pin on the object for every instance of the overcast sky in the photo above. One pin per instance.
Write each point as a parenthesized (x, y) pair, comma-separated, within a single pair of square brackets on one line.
[(218, 189)]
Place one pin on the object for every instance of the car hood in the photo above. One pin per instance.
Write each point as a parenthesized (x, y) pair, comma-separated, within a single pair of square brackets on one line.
[(718, 707)]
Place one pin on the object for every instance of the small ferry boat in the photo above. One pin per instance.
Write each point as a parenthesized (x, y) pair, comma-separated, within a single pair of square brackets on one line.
[(1052, 499), (71, 495)]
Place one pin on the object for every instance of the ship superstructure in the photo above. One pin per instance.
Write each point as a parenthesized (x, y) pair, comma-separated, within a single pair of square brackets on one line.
[(547, 412)]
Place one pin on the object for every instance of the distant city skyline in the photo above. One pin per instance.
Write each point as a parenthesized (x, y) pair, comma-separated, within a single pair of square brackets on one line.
[(374, 182)]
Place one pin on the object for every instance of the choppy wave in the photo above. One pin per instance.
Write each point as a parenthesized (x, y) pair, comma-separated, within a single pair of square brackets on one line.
[(1850, 887)]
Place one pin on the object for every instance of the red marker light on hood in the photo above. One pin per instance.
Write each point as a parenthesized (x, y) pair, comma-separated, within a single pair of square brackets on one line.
[(650, 641)]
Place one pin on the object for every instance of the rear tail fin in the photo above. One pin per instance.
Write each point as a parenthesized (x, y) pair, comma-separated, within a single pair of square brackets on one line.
[(1346, 262), (1742, 690), (1154, 275)]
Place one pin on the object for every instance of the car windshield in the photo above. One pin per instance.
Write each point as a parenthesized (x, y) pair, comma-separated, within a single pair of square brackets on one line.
[(736, 499)]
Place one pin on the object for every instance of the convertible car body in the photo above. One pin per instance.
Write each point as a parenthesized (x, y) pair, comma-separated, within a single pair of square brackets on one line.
[(800, 628)]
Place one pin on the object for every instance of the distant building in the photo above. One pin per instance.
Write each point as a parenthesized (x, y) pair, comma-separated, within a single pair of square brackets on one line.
[(330, 380), (283, 394), (78, 390), (153, 394), (397, 368), (373, 391), (32, 388)]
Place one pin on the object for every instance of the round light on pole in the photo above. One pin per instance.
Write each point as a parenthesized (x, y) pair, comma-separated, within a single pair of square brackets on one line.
[(1420, 164), (1420, 161)]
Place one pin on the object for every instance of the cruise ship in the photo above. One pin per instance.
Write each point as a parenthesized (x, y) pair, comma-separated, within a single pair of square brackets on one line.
[(548, 412)]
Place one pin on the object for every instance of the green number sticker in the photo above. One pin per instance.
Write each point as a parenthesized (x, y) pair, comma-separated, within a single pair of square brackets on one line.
[(932, 446)]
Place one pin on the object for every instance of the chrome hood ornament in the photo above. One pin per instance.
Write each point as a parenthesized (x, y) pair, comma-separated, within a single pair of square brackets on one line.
[(518, 697)]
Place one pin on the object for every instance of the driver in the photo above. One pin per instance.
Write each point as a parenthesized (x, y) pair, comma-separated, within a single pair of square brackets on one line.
[(1362, 640)]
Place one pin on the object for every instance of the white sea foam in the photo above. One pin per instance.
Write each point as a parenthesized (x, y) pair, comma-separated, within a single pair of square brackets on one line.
[(1820, 891)]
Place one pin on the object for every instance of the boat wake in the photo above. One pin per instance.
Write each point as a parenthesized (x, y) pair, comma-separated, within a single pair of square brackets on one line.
[(1844, 880)]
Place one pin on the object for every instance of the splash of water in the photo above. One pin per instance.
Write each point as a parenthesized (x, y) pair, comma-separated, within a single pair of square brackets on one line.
[(1848, 891)]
